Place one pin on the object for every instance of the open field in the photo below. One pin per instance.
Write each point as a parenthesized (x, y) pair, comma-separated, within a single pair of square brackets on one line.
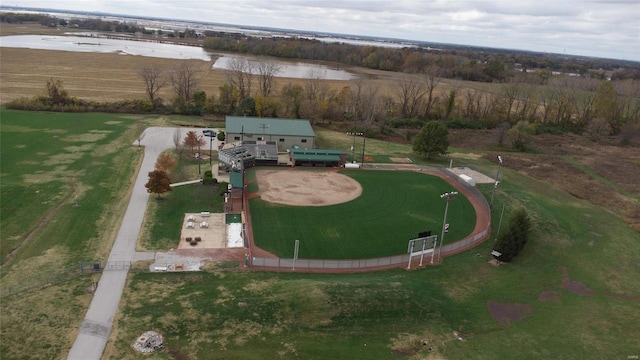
[(110, 77), (249, 314), (393, 208), (555, 301), (573, 293), (48, 159)]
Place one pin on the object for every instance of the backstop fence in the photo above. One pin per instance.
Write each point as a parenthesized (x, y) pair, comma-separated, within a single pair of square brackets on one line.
[(382, 262)]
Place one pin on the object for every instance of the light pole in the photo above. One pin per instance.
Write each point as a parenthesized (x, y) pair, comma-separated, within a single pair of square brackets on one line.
[(495, 185), (500, 223), (264, 128), (210, 134), (199, 156), (448, 196)]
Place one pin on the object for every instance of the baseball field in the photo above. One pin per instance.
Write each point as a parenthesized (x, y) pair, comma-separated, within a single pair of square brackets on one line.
[(393, 207)]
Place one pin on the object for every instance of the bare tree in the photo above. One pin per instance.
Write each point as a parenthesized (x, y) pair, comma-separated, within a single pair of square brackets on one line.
[(56, 92), (431, 82), (312, 85), (154, 80), (267, 71), (184, 80), (140, 127), (410, 95), (511, 92), (177, 138), (370, 105), (240, 77), (629, 95)]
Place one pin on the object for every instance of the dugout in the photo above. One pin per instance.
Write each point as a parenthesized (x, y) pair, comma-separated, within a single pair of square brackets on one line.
[(317, 157)]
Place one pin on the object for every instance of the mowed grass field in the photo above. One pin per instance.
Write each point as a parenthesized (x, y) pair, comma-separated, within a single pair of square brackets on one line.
[(388, 315), (393, 208), (46, 160), (231, 314)]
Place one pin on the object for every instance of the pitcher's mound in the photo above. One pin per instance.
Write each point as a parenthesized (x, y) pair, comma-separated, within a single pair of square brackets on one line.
[(306, 188)]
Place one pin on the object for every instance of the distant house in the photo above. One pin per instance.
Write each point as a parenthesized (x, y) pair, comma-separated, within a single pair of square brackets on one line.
[(284, 132)]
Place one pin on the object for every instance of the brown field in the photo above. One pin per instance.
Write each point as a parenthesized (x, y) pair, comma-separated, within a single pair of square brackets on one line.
[(603, 173), (110, 77)]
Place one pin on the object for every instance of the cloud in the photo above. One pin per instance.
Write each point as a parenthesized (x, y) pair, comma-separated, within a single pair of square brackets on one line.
[(583, 27)]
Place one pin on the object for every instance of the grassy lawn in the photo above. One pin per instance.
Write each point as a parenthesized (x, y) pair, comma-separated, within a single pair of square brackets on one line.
[(162, 225), (256, 315), (47, 159), (336, 140), (393, 208)]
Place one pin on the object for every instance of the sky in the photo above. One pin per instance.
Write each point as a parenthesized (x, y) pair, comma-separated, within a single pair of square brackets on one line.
[(600, 28)]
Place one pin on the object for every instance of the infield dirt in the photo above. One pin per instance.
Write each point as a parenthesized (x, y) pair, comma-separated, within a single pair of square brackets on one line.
[(306, 188)]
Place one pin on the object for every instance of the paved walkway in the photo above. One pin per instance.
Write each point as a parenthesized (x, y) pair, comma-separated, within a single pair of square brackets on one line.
[(96, 326)]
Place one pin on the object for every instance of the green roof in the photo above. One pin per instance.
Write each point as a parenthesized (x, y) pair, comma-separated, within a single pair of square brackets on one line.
[(268, 126), (314, 157), (235, 178), (301, 151)]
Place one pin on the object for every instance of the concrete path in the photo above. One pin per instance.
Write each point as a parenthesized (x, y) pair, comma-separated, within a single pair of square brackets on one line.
[(96, 326)]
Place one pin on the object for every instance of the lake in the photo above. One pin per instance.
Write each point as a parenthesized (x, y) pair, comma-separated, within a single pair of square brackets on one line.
[(101, 44), (290, 69)]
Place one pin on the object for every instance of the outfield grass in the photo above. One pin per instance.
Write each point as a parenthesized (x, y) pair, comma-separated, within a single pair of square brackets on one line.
[(393, 208), (256, 315)]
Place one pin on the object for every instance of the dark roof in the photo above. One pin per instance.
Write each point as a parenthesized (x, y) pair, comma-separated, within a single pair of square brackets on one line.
[(268, 126)]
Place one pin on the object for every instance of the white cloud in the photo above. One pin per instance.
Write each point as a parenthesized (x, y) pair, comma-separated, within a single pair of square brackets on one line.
[(582, 27)]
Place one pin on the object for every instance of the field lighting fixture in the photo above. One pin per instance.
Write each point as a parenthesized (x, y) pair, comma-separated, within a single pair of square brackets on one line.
[(448, 196), (495, 184), (210, 134)]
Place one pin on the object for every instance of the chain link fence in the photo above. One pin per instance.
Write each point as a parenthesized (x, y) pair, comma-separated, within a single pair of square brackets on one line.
[(32, 283), (49, 278), (383, 262)]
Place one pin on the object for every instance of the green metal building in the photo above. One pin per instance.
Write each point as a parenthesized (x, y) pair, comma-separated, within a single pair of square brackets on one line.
[(284, 132)]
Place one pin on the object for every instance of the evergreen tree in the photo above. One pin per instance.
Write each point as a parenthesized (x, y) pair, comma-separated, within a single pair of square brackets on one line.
[(515, 237)]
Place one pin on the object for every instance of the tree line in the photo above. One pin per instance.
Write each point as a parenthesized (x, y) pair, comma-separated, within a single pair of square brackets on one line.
[(524, 101), (454, 62), (598, 107)]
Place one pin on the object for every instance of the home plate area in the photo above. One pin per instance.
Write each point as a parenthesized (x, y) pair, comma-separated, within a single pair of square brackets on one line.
[(209, 231)]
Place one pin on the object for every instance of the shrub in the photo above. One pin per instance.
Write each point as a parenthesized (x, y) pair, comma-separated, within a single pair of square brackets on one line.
[(514, 238), (208, 178), (222, 187)]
